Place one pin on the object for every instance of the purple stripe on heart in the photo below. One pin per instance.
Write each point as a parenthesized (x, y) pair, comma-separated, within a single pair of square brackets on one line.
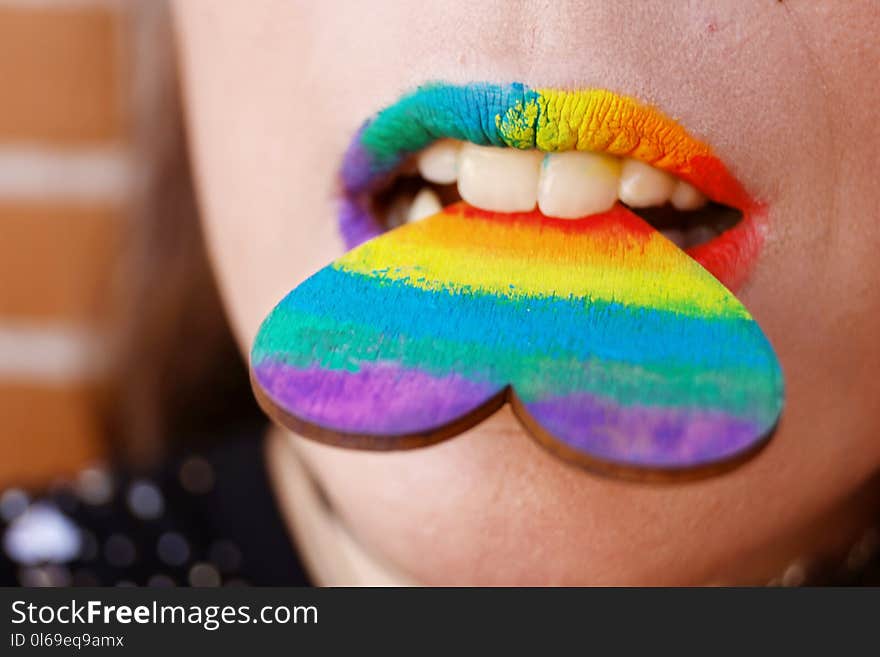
[(384, 398), (380, 398), (647, 435)]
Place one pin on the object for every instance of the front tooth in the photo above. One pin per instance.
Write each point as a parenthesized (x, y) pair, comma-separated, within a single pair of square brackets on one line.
[(425, 204), (577, 184), (641, 185), (499, 179), (438, 163), (686, 197)]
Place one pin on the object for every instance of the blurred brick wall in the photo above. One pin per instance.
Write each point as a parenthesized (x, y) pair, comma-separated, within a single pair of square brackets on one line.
[(64, 164)]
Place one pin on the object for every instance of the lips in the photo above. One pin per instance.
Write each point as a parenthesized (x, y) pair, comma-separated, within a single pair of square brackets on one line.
[(553, 121)]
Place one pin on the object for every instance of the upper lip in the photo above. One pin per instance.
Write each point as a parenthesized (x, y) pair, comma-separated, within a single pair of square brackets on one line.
[(550, 120)]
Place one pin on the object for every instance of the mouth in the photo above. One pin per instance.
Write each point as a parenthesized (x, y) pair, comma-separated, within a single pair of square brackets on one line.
[(563, 154)]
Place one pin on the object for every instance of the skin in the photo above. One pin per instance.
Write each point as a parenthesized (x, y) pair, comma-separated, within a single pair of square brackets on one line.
[(785, 93)]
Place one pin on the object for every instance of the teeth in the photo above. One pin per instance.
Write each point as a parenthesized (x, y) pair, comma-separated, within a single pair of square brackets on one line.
[(499, 179), (566, 185), (577, 184), (439, 162), (425, 204), (686, 197), (641, 185)]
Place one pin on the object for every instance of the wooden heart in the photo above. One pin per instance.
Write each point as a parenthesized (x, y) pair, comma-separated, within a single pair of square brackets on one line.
[(614, 348)]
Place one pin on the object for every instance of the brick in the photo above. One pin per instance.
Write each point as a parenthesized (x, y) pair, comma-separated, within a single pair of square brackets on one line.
[(46, 432), (61, 71), (57, 261)]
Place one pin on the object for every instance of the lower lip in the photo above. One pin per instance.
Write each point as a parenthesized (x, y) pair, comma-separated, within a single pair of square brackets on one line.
[(731, 256)]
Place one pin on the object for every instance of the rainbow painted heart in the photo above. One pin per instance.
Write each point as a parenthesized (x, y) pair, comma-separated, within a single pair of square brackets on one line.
[(614, 348)]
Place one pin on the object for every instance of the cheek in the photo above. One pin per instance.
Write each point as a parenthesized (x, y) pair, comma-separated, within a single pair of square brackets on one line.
[(267, 230), (814, 296), (265, 156), (491, 507)]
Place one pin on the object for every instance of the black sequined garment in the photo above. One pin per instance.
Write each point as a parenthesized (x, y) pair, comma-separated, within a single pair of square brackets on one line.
[(206, 519)]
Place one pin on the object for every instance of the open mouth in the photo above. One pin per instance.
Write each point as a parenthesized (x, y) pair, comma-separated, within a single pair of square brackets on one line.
[(564, 154), (521, 278)]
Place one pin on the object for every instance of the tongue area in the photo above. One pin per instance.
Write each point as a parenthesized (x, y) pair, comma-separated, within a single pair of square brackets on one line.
[(615, 349)]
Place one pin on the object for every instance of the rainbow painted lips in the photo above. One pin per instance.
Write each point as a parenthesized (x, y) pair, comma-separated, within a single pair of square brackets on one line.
[(615, 348), (550, 120), (621, 352)]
